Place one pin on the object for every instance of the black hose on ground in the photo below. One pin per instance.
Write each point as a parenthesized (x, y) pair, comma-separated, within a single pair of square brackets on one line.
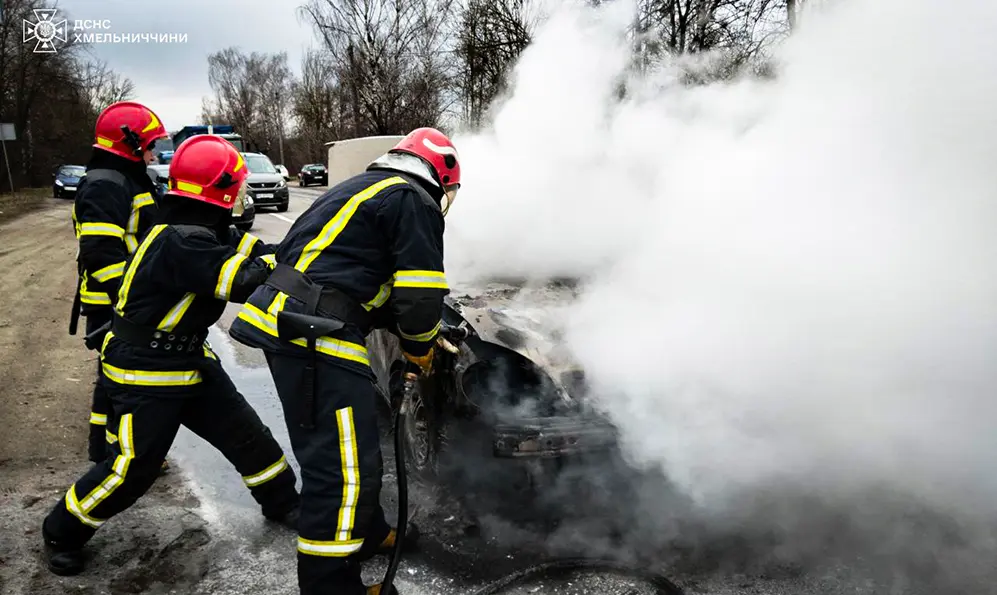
[(544, 570), (402, 524)]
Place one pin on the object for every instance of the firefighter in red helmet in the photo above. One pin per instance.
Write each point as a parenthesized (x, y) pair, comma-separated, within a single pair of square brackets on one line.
[(367, 254), (114, 207), (160, 373)]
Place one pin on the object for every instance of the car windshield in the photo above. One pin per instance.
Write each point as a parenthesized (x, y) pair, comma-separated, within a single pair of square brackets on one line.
[(72, 170), (315, 167), (259, 164)]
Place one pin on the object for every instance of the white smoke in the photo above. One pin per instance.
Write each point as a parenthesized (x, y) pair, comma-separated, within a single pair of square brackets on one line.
[(794, 282)]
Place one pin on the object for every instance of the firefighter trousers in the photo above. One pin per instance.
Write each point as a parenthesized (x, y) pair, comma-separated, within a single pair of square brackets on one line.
[(342, 522), (100, 405), (146, 425)]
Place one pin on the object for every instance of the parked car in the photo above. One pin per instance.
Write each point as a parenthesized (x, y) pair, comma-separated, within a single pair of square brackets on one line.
[(65, 180), (267, 187), (160, 175), (244, 220), (283, 171), (312, 173)]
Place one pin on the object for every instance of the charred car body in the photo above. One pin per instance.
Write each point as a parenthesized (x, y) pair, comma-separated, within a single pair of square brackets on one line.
[(506, 405)]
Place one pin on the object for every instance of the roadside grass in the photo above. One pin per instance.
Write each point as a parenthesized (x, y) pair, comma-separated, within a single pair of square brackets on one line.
[(23, 201)]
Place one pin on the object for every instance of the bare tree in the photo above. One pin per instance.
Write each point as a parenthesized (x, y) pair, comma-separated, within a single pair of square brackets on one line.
[(387, 57), (252, 93), (52, 99), (491, 36), (317, 105), (100, 86)]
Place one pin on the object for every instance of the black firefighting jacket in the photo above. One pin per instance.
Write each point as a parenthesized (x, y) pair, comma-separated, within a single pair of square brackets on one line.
[(174, 288), (114, 207), (376, 238)]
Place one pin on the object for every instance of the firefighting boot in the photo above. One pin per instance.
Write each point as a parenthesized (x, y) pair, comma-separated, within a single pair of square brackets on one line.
[(63, 560)]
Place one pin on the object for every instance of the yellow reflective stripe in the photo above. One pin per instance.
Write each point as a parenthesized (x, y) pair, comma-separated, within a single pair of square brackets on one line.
[(350, 473), (270, 259), (107, 339), (119, 468), (76, 223), (246, 244), (422, 337), (325, 345), (130, 243), (151, 377), (73, 506), (267, 474), (98, 419), (142, 200), (111, 438), (426, 279), (173, 317), (111, 271), (382, 296), (223, 288), (101, 229), (335, 226), (95, 298), (133, 266), (329, 549)]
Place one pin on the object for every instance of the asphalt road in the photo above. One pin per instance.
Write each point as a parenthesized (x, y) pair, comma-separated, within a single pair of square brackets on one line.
[(461, 551)]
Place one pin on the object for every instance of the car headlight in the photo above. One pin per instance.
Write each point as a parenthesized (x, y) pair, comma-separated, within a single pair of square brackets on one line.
[(59, 183), (247, 200), (281, 183)]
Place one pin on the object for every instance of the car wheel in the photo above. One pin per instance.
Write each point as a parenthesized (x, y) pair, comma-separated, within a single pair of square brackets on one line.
[(282, 207)]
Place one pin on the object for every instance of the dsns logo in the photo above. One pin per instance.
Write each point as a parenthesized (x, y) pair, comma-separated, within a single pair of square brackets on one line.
[(45, 30)]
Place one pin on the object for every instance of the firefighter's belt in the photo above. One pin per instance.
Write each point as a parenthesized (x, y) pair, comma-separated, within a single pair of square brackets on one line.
[(152, 338), (327, 302)]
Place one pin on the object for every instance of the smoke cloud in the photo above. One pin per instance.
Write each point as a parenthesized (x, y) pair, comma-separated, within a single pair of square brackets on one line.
[(791, 283)]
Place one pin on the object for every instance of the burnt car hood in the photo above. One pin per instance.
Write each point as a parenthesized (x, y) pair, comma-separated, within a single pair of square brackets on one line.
[(527, 318)]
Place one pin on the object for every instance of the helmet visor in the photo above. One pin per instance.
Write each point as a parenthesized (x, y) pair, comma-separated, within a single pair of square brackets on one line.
[(449, 196), (239, 206)]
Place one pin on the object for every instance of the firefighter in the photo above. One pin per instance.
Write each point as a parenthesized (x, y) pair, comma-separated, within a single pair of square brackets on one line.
[(115, 205), (160, 372), (367, 254)]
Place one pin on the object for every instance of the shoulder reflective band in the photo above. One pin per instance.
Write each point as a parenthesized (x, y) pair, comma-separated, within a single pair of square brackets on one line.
[(335, 226)]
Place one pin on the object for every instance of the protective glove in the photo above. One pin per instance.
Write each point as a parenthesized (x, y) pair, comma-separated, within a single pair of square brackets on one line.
[(425, 362)]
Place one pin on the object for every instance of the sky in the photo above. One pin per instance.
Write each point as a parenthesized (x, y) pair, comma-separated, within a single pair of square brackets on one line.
[(172, 78)]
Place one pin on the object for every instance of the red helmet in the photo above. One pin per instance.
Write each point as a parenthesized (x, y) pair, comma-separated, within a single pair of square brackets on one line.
[(435, 149), (128, 129), (208, 168)]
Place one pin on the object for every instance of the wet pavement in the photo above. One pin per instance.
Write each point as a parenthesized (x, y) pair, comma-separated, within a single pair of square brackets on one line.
[(461, 552)]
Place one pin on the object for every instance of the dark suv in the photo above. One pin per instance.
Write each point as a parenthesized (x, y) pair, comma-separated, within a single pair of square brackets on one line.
[(313, 173), (266, 186)]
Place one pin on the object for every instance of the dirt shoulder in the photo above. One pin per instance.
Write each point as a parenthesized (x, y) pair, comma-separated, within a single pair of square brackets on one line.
[(44, 406), (24, 201)]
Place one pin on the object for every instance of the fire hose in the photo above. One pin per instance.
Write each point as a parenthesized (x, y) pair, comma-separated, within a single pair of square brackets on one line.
[(661, 583)]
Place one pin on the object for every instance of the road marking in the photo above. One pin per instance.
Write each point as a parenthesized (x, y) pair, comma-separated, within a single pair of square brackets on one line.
[(282, 218)]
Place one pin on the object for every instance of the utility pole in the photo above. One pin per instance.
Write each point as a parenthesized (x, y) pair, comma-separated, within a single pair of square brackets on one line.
[(280, 125)]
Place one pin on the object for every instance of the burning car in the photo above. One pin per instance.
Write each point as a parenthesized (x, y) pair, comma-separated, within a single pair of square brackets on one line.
[(507, 403)]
